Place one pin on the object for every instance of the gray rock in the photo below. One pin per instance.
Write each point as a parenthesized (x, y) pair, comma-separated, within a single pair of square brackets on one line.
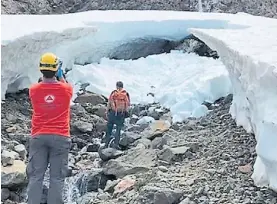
[(158, 143), (145, 120), (90, 98), (99, 110), (100, 123), (155, 134), (109, 153), (78, 110), (156, 113), (93, 147), (88, 198), (137, 128), (5, 194), (110, 185), (186, 201), (83, 126), (128, 138), (8, 157), (143, 113), (13, 180), (21, 150), (146, 143), (173, 154), (10, 117), (136, 160), (156, 195), (103, 196), (134, 119), (93, 179)]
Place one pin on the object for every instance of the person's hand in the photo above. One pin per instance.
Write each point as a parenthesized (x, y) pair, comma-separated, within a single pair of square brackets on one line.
[(60, 71)]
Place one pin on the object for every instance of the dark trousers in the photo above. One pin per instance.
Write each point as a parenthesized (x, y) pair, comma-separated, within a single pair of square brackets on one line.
[(44, 150), (114, 119)]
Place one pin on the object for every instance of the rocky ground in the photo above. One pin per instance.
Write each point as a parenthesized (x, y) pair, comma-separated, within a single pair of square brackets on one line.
[(206, 160), (266, 8)]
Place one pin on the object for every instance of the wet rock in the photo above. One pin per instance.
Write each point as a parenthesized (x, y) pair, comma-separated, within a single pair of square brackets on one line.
[(93, 180), (21, 150), (93, 147), (109, 153), (88, 198), (8, 157), (173, 154), (83, 126), (91, 98), (156, 195), (13, 176), (5, 194)]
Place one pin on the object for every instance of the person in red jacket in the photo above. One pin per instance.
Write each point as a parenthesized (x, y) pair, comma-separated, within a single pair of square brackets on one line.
[(50, 142)]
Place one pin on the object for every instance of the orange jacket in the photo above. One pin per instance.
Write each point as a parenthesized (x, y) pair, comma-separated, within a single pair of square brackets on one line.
[(51, 107)]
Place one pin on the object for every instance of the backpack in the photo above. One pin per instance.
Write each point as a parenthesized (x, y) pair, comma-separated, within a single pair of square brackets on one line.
[(119, 101)]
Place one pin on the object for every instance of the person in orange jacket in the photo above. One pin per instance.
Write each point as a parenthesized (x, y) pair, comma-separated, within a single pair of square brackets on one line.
[(117, 111), (50, 134)]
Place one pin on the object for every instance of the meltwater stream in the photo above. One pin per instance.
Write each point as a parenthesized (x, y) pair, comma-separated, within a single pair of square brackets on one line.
[(75, 187)]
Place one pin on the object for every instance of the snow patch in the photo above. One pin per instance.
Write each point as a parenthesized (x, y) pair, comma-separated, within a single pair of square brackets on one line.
[(182, 81)]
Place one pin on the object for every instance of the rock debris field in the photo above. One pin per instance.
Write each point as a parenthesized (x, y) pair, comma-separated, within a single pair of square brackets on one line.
[(207, 160)]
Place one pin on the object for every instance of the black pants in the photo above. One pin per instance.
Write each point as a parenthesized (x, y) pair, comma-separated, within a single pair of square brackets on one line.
[(114, 119)]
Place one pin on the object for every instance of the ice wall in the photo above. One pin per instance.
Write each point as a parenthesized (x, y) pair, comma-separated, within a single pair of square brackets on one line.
[(86, 37), (252, 68)]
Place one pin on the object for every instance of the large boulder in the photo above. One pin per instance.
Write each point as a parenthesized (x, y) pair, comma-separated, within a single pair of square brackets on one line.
[(127, 138), (13, 176), (109, 153), (91, 98), (99, 110), (83, 126), (135, 161), (8, 157)]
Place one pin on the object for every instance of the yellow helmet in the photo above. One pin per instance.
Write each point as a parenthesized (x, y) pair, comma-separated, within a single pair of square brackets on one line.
[(48, 61)]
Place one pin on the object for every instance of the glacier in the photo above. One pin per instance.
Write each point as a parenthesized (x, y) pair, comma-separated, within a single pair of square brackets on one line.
[(248, 56), (245, 44)]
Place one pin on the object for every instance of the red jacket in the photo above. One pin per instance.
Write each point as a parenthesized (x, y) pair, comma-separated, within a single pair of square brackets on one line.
[(51, 107)]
